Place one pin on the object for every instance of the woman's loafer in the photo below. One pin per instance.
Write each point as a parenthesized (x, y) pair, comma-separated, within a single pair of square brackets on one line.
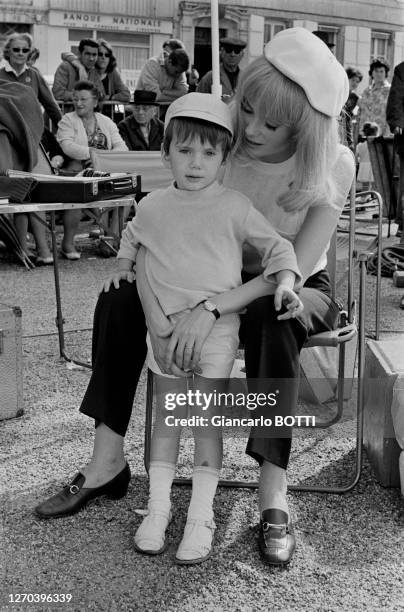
[(70, 255), (43, 261), (276, 539), (74, 496)]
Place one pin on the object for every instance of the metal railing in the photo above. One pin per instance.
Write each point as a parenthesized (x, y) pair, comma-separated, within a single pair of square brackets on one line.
[(114, 109)]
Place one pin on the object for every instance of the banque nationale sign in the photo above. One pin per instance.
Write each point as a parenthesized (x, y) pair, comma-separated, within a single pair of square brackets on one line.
[(74, 19)]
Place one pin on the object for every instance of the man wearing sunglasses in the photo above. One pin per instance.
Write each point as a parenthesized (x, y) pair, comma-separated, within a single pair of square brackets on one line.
[(231, 53), (66, 75)]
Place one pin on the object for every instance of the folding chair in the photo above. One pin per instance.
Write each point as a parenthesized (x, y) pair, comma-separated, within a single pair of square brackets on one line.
[(150, 174), (346, 331), (147, 165)]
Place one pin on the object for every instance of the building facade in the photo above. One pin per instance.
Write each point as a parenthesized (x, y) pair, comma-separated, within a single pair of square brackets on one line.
[(137, 28)]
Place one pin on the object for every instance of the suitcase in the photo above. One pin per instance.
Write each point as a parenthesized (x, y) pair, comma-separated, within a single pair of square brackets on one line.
[(47, 189), (11, 395), (384, 405)]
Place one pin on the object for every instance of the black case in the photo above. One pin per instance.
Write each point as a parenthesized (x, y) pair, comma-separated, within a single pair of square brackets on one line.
[(80, 189)]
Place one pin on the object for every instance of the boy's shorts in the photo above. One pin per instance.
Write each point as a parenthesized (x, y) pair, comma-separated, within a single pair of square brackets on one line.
[(218, 353)]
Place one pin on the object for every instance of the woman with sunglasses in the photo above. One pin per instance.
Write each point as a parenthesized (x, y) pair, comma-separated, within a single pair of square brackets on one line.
[(16, 69), (16, 52)]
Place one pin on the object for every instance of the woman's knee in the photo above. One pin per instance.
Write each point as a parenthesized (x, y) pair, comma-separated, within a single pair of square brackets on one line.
[(262, 319), (120, 308), (124, 297)]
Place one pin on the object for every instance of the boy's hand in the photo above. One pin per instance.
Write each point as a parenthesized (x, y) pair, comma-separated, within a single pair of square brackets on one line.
[(284, 295), (116, 278)]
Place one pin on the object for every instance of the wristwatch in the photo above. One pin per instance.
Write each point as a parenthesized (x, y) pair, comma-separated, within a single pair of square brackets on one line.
[(211, 307)]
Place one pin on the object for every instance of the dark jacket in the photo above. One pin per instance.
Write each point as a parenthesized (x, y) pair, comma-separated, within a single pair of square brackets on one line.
[(395, 106), (228, 91), (31, 77), (117, 89), (66, 77), (395, 101), (130, 131), (21, 126)]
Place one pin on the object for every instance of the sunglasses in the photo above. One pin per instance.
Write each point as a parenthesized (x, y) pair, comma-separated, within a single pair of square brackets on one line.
[(104, 54), (237, 50), (20, 50)]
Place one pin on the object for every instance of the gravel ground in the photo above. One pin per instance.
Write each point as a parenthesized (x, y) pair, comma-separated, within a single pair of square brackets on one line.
[(349, 548)]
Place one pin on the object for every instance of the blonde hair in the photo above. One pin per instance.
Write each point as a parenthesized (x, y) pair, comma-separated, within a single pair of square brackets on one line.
[(10, 40), (281, 102)]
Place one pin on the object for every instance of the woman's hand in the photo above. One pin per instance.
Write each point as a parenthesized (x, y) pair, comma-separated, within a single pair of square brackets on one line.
[(188, 338), (57, 162), (116, 278), (285, 296), (160, 342)]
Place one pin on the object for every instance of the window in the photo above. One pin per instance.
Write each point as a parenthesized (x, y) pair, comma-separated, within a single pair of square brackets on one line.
[(12, 28), (380, 46), (77, 34), (271, 28), (131, 50), (331, 37)]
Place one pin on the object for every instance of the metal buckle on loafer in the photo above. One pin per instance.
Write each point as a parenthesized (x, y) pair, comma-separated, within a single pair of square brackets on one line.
[(74, 489), (267, 526)]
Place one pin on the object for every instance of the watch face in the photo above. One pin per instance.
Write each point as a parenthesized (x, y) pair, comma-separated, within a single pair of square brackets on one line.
[(209, 306)]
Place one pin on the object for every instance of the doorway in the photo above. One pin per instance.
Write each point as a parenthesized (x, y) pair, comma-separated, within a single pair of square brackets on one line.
[(203, 49)]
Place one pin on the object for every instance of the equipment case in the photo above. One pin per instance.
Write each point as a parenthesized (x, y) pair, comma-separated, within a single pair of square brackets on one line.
[(11, 389), (82, 189), (46, 188)]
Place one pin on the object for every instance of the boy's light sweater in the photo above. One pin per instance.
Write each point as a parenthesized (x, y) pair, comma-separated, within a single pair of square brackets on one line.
[(194, 243)]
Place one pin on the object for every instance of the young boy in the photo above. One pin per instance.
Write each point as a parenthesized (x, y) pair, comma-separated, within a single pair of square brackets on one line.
[(193, 233)]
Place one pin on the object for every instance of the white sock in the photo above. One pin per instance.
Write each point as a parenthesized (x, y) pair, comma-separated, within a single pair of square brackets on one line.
[(204, 485), (161, 477)]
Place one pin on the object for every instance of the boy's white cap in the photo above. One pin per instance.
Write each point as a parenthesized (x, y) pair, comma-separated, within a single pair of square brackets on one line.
[(200, 106), (306, 60)]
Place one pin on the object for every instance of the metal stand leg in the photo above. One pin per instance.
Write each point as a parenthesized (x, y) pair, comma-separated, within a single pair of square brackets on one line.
[(59, 315)]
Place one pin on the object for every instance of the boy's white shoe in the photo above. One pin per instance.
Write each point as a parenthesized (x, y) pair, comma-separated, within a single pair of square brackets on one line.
[(196, 544), (150, 535)]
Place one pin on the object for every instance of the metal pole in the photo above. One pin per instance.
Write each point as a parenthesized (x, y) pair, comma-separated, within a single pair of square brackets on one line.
[(216, 86)]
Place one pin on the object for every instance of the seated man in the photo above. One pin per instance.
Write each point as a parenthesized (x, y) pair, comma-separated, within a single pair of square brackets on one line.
[(166, 77), (66, 75), (142, 131)]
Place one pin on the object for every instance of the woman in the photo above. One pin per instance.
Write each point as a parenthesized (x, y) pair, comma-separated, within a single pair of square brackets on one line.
[(114, 87), (288, 161), (16, 52), (372, 105), (78, 132)]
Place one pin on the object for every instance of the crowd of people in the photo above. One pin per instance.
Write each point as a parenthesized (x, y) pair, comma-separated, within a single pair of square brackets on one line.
[(260, 180)]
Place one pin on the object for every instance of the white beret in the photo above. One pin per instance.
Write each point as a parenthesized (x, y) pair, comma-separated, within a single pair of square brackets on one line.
[(306, 60), (200, 106)]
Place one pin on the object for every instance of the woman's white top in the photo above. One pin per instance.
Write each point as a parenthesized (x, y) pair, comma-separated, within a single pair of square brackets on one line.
[(73, 139), (263, 183)]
